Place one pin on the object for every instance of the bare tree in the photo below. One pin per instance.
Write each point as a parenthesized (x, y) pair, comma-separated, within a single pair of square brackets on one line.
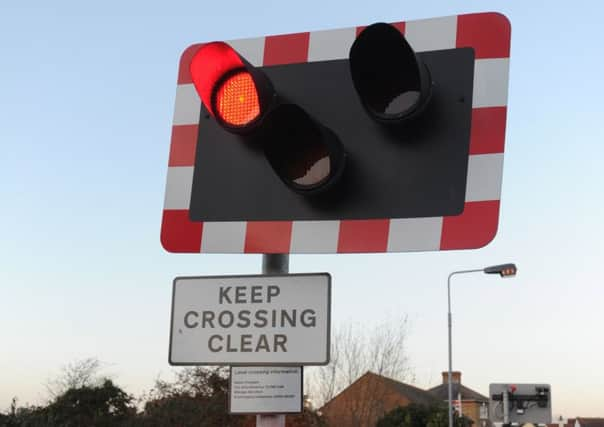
[(355, 350), (76, 374), (387, 350)]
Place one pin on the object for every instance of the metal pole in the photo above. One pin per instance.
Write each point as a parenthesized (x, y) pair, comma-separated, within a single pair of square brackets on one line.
[(273, 264), (450, 384), (506, 408)]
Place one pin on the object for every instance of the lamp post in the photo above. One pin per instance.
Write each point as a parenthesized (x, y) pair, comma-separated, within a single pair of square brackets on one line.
[(504, 270)]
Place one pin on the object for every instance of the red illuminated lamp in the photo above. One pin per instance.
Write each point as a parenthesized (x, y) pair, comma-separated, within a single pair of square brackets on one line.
[(236, 93), (236, 99)]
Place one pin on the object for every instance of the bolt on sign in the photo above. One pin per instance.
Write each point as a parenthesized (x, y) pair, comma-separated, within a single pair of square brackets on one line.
[(251, 320), (366, 169)]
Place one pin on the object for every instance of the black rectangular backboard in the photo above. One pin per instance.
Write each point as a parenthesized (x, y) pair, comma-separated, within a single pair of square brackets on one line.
[(418, 170)]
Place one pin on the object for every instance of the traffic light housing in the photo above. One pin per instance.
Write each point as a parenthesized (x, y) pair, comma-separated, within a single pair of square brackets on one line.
[(420, 164), (306, 156), (391, 80)]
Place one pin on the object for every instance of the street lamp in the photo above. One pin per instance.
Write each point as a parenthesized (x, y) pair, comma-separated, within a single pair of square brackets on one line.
[(504, 270)]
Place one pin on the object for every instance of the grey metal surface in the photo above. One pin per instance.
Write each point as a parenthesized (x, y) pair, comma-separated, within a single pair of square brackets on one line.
[(530, 412)]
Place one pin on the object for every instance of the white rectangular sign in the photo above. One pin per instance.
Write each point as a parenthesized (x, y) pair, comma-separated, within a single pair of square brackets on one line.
[(265, 390), (251, 320)]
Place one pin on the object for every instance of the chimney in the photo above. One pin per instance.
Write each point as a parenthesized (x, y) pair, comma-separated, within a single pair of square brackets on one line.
[(455, 377)]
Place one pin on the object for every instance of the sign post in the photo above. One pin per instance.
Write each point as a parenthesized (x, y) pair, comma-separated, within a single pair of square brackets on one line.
[(273, 264), (249, 322)]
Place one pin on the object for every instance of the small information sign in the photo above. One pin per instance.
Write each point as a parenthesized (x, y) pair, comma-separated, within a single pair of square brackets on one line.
[(266, 390)]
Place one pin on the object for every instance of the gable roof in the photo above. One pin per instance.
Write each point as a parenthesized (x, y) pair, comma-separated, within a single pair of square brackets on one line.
[(441, 392), (413, 394)]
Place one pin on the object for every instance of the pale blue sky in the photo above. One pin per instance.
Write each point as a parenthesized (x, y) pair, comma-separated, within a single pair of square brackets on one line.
[(87, 94)]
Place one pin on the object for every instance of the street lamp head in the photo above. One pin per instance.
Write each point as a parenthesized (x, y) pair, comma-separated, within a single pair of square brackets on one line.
[(504, 270)]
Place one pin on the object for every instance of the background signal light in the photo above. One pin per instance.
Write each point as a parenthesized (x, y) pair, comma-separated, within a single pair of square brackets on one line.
[(391, 80), (236, 100)]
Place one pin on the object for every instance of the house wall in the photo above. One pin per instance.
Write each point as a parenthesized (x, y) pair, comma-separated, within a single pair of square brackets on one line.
[(471, 410), (362, 404)]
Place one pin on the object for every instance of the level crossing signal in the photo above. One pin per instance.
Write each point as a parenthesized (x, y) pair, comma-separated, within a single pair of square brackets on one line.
[(386, 128)]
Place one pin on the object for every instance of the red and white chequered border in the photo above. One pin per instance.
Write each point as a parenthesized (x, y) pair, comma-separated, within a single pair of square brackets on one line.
[(487, 33)]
